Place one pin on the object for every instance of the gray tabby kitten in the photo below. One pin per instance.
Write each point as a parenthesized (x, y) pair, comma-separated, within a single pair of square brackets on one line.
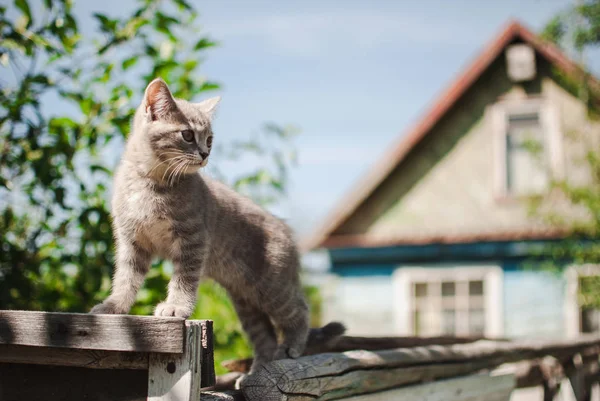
[(161, 206)]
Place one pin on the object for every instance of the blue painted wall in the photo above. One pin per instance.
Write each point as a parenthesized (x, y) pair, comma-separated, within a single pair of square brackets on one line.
[(533, 304), (533, 301)]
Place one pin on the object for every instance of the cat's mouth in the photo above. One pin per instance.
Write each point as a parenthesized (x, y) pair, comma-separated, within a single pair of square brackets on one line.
[(198, 163)]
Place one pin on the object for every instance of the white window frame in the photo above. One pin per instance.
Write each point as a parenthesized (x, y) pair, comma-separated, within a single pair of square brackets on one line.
[(491, 275), (571, 307), (550, 122)]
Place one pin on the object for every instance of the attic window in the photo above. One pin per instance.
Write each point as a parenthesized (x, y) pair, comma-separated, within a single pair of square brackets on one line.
[(527, 147), (520, 62)]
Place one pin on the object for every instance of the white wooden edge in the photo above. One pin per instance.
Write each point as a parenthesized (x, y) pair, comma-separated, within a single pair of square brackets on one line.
[(177, 377)]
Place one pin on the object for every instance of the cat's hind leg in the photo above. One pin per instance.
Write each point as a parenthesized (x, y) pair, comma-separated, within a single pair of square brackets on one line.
[(291, 316), (260, 332)]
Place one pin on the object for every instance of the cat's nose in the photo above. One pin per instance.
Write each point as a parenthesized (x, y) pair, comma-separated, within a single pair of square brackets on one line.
[(204, 155)]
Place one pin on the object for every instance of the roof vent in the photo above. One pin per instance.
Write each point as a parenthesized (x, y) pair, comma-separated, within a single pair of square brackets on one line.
[(520, 62)]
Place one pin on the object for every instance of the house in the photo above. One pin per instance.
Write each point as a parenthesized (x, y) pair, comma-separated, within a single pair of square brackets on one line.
[(438, 237)]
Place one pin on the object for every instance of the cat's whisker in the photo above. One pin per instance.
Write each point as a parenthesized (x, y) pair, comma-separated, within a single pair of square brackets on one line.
[(179, 154), (174, 161), (177, 164), (184, 168), (171, 165), (176, 171), (158, 165)]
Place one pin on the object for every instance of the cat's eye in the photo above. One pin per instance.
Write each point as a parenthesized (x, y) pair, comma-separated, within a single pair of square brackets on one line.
[(209, 141), (188, 135)]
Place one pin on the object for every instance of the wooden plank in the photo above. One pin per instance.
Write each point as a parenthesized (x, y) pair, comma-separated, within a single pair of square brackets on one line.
[(281, 386), (468, 388), (95, 359), (208, 360), (21, 382), (329, 376), (349, 343), (222, 396), (178, 377), (89, 331)]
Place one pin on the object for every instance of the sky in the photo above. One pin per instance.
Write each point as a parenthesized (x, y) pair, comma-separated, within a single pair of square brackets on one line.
[(352, 75)]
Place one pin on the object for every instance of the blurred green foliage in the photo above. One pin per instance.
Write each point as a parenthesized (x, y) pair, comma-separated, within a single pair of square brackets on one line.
[(576, 30), (66, 102)]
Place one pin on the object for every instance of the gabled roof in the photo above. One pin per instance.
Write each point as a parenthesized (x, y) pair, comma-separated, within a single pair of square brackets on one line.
[(367, 185)]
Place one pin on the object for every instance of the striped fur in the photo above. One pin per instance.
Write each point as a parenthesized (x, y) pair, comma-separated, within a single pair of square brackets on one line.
[(162, 207)]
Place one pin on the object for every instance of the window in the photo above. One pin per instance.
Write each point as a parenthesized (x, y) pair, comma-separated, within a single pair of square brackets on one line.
[(527, 148), (448, 301), (526, 161), (582, 283)]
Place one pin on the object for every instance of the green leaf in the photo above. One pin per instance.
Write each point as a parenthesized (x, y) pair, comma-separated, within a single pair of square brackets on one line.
[(106, 24), (184, 5), (130, 62), (97, 167), (209, 86), (554, 31), (23, 5), (204, 43)]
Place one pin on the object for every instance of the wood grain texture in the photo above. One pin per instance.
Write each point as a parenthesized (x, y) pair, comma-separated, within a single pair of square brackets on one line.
[(287, 383), (208, 360), (96, 332), (335, 376), (94, 359), (349, 343), (468, 388), (178, 377), (222, 396)]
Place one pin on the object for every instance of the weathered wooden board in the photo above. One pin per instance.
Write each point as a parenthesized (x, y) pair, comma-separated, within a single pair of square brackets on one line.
[(95, 359), (20, 382), (334, 376), (281, 385), (88, 331), (225, 396), (178, 377), (467, 388), (208, 355), (349, 343)]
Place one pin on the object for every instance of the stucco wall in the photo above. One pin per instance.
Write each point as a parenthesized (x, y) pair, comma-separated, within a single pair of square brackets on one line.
[(446, 185)]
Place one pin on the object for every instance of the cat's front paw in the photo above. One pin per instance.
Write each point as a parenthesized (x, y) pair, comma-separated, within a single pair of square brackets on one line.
[(172, 310), (106, 308)]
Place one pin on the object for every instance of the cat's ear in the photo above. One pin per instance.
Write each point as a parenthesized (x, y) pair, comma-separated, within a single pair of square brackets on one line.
[(209, 106), (158, 100)]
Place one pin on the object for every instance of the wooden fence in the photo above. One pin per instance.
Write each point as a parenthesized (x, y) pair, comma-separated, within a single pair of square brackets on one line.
[(61, 356), (54, 356)]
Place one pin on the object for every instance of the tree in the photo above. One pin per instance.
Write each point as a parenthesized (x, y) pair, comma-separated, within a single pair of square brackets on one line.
[(576, 30), (66, 105)]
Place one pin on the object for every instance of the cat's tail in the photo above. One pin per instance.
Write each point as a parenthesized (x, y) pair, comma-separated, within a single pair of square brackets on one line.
[(318, 338)]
